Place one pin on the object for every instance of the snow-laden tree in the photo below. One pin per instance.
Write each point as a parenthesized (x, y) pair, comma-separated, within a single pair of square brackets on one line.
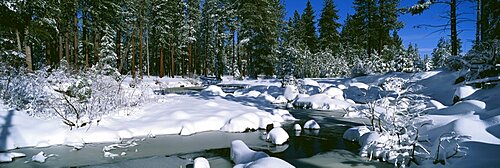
[(441, 54)]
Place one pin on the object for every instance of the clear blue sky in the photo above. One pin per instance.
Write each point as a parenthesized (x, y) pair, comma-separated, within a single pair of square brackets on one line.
[(423, 37)]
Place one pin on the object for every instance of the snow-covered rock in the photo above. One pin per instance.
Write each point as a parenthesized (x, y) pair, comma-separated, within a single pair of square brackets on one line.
[(280, 100), (277, 136), (353, 134), (267, 162), (291, 92), (297, 127), (9, 156), (309, 82), (213, 90), (201, 162), (359, 85), (321, 102), (241, 154), (40, 157), (311, 124), (335, 93)]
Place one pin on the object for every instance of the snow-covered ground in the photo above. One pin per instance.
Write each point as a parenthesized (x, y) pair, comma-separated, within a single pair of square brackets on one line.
[(470, 128)]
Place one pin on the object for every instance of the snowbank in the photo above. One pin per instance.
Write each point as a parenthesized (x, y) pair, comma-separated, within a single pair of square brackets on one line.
[(177, 114)]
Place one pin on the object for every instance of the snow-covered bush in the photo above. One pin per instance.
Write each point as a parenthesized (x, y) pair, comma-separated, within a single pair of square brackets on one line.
[(78, 99), (395, 129)]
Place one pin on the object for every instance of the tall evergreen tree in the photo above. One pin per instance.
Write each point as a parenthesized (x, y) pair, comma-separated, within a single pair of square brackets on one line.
[(328, 27), (309, 30)]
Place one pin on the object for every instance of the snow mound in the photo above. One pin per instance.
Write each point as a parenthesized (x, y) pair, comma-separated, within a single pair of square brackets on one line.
[(280, 100), (291, 92), (9, 156), (297, 127), (353, 134), (40, 157), (464, 91), (251, 121), (311, 124), (310, 82), (268, 162), (321, 102), (436, 104), (201, 162), (213, 90), (464, 107), (335, 93), (372, 137), (277, 136), (359, 85), (241, 154)]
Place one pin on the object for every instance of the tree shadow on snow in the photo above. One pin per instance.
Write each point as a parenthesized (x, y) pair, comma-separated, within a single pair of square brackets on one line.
[(5, 132)]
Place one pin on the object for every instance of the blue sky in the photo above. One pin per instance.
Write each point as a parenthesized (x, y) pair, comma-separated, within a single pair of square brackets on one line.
[(423, 37)]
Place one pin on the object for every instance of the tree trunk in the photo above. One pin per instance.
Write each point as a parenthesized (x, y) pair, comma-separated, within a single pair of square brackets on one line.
[(189, 60), (18, 39), (96, 47), (162, 68), (66, 48), (133, 57), (233, 52), (60, 47), (27, 49), (75, 41), (47, 53), (147, 54), (140, 53), (453, 25), (172, 61), (85, 47), (118, 50)]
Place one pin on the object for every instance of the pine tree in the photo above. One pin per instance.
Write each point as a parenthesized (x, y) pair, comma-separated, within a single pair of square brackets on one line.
[(309, 30), (442, 54), (328, 27)]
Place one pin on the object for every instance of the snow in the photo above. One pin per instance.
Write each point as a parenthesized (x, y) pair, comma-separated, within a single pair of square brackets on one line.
[(266, 162), (41, 157), (213, 90), (355, 133), (201, 162), (297, 127), (335, 93), (291, 92), (321, 102), (178, 114), (372, 137), (464, 91), (241, 154), (311, 124), (9, 156), (463, 107), (277, 136)]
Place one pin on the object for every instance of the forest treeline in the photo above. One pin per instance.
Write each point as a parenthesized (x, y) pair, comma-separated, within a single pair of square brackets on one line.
[(228, 37)]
